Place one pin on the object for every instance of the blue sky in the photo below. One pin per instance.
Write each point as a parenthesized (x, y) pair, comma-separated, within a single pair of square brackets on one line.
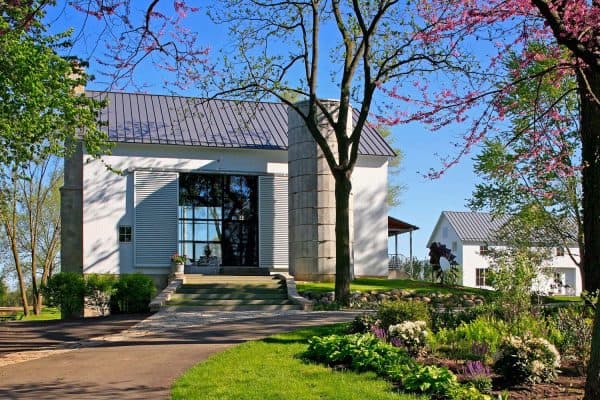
[(422, 201)]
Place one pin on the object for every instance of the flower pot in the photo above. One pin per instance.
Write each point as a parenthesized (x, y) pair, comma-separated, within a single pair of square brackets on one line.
[(178, 268)]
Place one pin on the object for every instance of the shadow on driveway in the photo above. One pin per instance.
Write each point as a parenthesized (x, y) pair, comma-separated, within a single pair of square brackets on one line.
[(42, 335)]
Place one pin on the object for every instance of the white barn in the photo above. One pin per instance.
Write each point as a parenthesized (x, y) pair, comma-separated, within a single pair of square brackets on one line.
[(236, 185), (469, 234)]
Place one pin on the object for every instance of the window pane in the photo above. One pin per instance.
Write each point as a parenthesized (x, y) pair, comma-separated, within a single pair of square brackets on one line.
[(189, 251), (187, 212), (188, 231), (200, 231), (214, 231), (200, 213), (214, 213)]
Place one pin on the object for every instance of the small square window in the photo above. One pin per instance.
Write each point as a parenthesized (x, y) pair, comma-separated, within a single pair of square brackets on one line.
[(124, 234), (480, 277), (560, 251), (484, 250)]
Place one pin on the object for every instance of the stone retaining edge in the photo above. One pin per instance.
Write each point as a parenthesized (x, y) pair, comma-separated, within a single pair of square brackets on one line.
[(165, 295), (292, 292)]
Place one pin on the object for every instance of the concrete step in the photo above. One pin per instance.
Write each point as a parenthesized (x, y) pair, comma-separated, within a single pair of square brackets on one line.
[(244, 307), (232, 286), (230, 296), (244, 271), (226, 278), (229, 302)]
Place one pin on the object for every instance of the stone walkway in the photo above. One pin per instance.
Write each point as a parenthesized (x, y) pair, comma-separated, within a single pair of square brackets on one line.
[(142, 361)]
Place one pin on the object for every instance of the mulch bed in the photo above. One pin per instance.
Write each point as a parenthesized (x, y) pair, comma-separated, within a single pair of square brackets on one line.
[(569, 384)]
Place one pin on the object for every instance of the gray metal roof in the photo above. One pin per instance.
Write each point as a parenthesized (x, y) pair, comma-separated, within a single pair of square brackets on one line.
[(189, 121), (475, 226)]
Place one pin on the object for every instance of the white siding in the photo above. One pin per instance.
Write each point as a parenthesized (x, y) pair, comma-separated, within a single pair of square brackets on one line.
[(469, 257), (155, 229), (109, 197), (273, 221), (369, 189)]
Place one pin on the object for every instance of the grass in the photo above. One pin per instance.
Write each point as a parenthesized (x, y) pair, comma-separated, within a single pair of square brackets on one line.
[(380, 284), (562, 299), (271, 369), (48, 313)]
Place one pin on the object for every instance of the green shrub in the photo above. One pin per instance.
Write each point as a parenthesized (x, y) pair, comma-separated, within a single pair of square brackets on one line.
[(430, 379), (451, 319), (572, 328), (100, 282), (477, 340), (360, 352), (98, 291), (66, 291), (527, 360), (133, 293), (396, 312), (362, 323)]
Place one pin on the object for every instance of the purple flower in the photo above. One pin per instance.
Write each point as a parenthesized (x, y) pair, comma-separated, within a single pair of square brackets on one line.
[(396, 342), (379, 332), (476, 368)]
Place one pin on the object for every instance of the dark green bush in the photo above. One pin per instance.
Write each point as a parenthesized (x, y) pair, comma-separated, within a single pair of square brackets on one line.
[(99, 289), (396, 312), (133, 293), (451, 319), (362, 323), (65, 290), (104, 283)]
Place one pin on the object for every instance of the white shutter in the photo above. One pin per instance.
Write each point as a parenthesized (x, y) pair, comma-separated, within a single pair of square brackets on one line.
[(155, 228), (273, 221)]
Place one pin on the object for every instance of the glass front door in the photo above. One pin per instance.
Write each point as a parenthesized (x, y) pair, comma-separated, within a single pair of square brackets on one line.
[(218, 217)]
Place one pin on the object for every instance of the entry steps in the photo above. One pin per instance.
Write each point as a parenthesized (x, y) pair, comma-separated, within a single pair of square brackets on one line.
[(231, 293)]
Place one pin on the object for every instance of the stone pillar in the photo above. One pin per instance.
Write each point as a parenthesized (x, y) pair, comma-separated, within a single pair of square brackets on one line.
[(71, 213), (311, 199)]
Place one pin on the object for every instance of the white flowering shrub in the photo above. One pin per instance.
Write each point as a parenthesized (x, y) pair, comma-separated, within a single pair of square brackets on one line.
[(527, 360), (411, 335)]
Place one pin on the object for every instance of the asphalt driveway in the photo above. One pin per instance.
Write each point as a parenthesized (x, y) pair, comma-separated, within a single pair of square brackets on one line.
[(142, 367)]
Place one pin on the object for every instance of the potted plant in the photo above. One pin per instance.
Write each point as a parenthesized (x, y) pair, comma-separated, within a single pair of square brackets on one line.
[(178, 263)]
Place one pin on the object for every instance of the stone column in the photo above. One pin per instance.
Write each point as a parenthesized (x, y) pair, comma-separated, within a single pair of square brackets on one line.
[(71, 213), (311, 199)]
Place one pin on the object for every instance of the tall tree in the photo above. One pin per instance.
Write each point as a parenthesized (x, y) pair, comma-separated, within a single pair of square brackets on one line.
[(288, 46), (30, 218), (40, 110), (572, 28)]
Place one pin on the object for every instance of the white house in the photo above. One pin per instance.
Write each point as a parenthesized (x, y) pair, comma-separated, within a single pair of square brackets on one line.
[(240, 184), (470, 234)]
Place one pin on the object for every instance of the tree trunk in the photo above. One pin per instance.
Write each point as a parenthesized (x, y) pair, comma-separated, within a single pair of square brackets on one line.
[(589, 81), (343, 269)]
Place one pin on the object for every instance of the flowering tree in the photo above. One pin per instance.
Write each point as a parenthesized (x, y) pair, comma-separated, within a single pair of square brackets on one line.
[(571, 29)]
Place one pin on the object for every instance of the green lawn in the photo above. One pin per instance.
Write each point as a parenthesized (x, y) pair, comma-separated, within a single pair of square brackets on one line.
[(562, 299), (48, 313), (272, 369), (379, 284)]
